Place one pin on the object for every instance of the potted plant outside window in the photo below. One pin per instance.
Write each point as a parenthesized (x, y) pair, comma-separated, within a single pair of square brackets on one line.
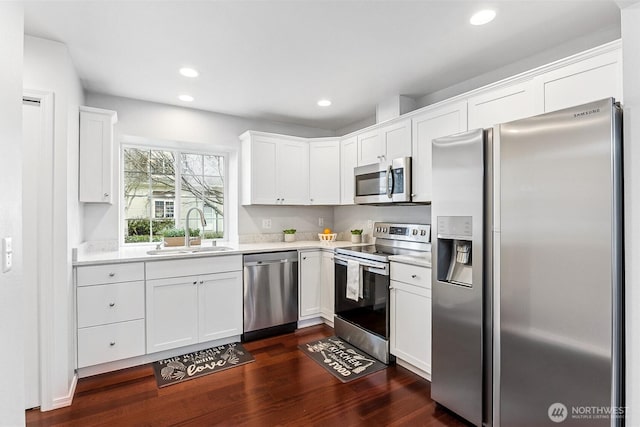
[(289, 235), (175, 236), (356, 236)]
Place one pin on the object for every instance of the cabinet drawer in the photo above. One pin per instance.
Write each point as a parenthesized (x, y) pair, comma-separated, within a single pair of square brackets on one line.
[(412, 274), (193, 266), (102, 304), (101, 344), (110, 273)]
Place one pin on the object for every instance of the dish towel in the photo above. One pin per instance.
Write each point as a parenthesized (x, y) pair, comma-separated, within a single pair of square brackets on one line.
[(354, 280)]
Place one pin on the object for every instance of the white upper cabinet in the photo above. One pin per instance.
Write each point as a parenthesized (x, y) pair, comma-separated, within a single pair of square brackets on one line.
[(96, 154), (292, 172), (370, 148), (580, 82), (348, 161), (275, 170), (501, 104), (324, 172), (384, 143), (396, 139), (433, 123)]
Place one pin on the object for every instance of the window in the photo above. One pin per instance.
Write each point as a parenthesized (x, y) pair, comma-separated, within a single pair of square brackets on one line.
[(160, 186)]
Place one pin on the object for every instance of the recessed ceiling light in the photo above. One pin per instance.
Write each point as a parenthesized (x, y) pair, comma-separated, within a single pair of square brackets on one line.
[(324, 103), (482, 17), (185, 98), (189, 72)]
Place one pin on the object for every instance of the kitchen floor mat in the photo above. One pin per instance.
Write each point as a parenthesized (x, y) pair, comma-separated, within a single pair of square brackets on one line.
[(199, 363), (341, 359)]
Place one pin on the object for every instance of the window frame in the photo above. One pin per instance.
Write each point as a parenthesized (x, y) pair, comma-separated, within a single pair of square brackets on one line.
[(177, 148)]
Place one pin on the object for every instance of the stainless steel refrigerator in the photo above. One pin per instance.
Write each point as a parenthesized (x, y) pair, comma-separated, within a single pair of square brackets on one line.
[(527, 272)]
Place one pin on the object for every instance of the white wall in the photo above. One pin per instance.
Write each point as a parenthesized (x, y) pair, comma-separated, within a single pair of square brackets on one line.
[(48, 67), (11, 293), (631, 84), (160, 121)]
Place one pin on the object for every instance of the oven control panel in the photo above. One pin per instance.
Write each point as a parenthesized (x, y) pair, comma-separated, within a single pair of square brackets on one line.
[(407, 232)]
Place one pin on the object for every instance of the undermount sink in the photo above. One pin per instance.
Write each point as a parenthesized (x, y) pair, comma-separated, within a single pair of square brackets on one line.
[(188, 250)]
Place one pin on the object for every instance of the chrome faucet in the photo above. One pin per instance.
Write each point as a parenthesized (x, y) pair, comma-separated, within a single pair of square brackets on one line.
[(187, 241)]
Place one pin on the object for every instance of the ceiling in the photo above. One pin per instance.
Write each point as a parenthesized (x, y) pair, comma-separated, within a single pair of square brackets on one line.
[(275, 59)]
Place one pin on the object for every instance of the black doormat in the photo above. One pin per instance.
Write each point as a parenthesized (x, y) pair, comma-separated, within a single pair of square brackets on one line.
[(199, 363), (341, 359)]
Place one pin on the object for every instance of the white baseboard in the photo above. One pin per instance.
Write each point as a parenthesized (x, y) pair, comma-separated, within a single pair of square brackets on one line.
[(61, 402), (309, 322), (414, 369)]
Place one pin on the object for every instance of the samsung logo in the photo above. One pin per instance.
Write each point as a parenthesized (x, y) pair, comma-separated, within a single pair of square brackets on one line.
[(587, 113)]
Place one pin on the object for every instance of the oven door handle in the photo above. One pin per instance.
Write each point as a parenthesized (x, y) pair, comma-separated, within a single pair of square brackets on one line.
[(372, 266)]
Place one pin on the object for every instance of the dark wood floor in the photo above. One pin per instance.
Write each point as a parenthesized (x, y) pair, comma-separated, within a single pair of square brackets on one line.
[(282, 387)]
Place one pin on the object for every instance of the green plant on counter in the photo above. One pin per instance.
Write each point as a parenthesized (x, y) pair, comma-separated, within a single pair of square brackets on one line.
[(356, 232), (179, 232), (289, 231)]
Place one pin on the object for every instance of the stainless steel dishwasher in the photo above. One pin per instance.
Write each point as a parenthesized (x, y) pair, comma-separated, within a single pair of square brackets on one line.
[(270, 294)]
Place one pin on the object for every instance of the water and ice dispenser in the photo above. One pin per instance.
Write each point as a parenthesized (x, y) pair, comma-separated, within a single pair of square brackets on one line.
[(455, 257)]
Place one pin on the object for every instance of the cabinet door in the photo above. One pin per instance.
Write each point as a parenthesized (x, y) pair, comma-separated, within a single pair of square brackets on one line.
[(396, 139), (410, 336), (263, 171), (96, 156), (324, 173), (219, 306), (501, 105), (348, 161), (172, 313), (310, 281), (370, 148), (328, 278), (293, 173), (442, 121), (588, 80)]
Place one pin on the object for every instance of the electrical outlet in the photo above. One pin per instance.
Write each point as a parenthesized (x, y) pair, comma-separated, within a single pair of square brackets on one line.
[(266, 223), (370, 224), (7, 254), (320, 222)]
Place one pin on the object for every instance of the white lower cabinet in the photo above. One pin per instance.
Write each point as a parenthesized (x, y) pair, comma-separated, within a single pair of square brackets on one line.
[(410, 335), (106, 343), (327, 286), (110, 312), (317, 282), (310, 284), (192, 309)]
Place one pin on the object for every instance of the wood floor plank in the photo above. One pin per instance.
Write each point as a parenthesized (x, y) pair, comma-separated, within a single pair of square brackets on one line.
[(283, 387)]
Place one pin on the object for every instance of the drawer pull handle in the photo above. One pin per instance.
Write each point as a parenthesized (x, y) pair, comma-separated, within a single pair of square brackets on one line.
[(201, 282), (112, 304), (195, 282), (413, 276), (112, 274), (112, 343)]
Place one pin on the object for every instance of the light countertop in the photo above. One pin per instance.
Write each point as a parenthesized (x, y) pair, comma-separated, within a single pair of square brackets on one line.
[(139, 253)]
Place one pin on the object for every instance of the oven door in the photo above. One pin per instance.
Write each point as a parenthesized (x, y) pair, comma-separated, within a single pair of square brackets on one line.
[(382, 183), (371, 312)]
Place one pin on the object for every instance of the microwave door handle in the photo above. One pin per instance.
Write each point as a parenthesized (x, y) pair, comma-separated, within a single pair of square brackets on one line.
[(389, 181)]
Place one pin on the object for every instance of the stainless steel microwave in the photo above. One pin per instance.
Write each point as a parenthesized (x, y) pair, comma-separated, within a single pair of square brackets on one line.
[(385, 182)]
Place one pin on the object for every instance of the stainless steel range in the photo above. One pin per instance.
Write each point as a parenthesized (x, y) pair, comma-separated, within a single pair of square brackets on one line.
[(362, 285)]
